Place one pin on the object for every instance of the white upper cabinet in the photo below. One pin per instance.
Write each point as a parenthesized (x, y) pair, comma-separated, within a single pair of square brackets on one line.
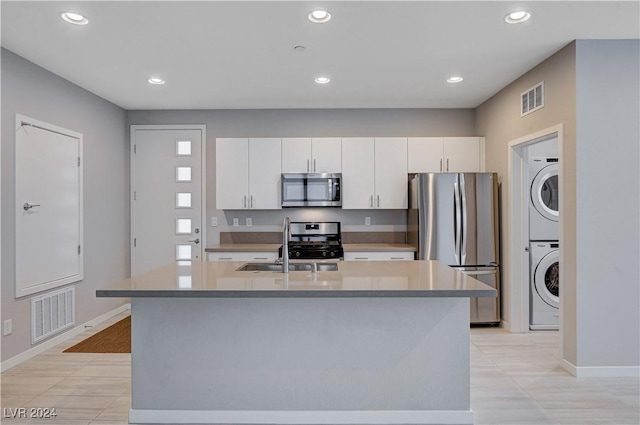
[(374, 173), (248, 173), (312, 155), (358, 159), (462, 154), (444, 154)]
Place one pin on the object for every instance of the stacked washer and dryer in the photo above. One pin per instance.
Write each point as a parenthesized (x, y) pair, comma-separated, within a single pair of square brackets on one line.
[(544, 301)]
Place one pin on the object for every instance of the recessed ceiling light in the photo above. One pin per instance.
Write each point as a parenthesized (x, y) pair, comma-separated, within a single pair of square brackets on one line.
[(74, 18), (517, 17), (319, 16), (322, 80), (155, 80), (454, 79)]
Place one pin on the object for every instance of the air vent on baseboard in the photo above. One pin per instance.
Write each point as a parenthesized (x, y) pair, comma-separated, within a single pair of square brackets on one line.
[(532, 99), (52, 313)]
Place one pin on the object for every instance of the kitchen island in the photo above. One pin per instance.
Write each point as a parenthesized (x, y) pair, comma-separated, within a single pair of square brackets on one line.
[(371, 343)]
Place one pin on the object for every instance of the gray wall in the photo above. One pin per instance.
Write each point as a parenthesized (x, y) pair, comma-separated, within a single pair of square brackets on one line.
[(592, 87), (32, 91), (607, 203), (498, 120), (307, 123)]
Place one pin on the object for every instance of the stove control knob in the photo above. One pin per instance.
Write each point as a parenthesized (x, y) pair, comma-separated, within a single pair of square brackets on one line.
[(333, 254), (297, 254), (324, 254)]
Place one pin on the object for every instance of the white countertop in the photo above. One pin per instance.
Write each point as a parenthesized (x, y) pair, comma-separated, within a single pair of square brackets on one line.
[(352, 279)]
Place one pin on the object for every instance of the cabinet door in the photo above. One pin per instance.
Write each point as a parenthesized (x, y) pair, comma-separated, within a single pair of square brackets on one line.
[(296, 155), (242, 256), (391, 181), (357, 173), (462, 154), (232, 173), (264, 174), (424, 154), (326, 155)]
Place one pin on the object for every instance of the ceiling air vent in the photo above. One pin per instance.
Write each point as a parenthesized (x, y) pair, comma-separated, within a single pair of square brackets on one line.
[(532, 99)]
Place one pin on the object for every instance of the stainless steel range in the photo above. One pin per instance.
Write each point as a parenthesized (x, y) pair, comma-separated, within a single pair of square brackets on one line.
[(315, 241)]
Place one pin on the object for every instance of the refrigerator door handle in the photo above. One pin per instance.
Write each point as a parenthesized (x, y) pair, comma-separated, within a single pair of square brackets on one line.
[(478, 272), (457, 224), (463, 201)]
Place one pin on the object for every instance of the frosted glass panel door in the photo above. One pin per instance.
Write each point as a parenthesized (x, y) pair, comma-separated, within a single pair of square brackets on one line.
[(48, 206), (166, 225)]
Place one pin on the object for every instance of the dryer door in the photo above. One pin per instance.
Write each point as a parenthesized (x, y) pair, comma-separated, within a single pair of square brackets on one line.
[(547, 278), (544, 192)]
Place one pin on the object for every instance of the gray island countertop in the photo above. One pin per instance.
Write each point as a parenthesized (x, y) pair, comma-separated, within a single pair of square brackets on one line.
[(352, 279)]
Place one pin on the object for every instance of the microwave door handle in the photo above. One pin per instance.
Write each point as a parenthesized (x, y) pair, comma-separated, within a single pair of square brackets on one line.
[(330, 183)]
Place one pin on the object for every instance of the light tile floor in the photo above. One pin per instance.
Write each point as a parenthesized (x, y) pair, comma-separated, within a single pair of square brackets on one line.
[(515, 379)]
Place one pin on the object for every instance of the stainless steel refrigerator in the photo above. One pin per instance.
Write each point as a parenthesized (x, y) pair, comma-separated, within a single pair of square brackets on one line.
[(453, 218)]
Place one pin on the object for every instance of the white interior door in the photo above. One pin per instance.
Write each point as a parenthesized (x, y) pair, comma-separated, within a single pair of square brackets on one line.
[(166, 179), (48, 206)]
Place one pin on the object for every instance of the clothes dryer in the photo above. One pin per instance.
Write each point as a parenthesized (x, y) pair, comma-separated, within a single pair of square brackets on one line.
[(543, 199), (544, 297)]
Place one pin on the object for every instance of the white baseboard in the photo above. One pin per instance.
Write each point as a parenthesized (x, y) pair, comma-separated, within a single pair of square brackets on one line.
[(290, 417), (600, 371), (50, 343)]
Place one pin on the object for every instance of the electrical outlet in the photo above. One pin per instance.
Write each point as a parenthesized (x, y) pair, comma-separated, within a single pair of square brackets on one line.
[(367, 221), (249, 221), (7, 327), (214, 221), (236, 222)]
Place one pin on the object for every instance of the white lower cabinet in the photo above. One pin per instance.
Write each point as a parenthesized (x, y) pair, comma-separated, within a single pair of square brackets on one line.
[(242, 256), (378, 256)]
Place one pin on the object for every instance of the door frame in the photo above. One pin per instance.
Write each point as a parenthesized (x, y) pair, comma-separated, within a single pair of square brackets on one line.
[(23, 120), (203, 182), (517, 249)]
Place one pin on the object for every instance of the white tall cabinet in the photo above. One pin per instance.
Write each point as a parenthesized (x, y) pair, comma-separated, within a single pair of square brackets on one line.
[(248, 173), (374, 173), (311, 155), (444, 154)]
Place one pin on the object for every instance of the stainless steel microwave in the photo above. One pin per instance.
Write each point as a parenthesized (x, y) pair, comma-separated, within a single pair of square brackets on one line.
[(311, 190)]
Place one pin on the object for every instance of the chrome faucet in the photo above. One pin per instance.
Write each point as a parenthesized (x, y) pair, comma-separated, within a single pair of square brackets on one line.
[(286, 234)]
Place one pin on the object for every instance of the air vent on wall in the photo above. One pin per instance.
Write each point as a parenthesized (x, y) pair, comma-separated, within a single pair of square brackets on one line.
[(52, 313), (532, 99)]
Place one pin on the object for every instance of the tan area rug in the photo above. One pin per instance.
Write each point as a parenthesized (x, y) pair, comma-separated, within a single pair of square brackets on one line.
[(114, 339)]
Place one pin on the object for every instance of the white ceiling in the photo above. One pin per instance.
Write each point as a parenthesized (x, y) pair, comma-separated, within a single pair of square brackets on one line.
[(239, 54)]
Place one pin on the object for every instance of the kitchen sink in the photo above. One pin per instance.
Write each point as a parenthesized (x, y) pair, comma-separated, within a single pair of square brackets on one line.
[(293, 267)]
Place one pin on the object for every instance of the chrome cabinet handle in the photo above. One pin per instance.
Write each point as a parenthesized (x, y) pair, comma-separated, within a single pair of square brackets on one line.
[(447, 164), (378, 201), (314, 165), (27, 206), (251, 201), (244, 201), (195, 241), (440, 164), (308, 166), (371, 201)]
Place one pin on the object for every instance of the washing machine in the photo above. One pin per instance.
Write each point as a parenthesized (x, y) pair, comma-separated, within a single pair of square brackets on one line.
[(544, 300), (543, 199)]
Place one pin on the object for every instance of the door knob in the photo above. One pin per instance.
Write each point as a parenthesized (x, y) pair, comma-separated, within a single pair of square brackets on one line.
[(196, 241), (27, 206)]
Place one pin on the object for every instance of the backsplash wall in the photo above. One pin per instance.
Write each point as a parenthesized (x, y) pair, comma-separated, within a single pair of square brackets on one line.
[(308, 123)]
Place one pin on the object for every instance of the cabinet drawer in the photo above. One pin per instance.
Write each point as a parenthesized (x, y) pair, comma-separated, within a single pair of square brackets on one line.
[(378, 256), (242, 256)]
